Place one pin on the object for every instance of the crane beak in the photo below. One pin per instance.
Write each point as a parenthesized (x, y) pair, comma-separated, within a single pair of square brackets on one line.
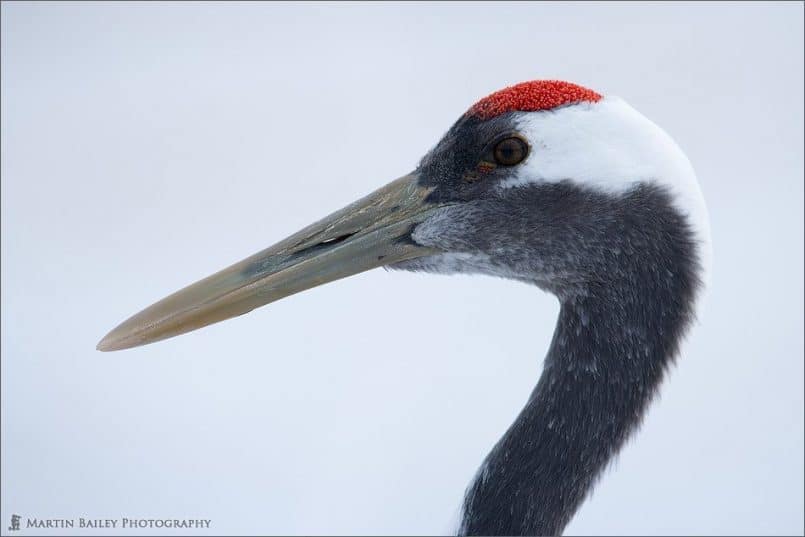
[(369, 233)]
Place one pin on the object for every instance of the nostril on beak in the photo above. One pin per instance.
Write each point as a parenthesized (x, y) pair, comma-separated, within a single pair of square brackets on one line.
[(335, 240)]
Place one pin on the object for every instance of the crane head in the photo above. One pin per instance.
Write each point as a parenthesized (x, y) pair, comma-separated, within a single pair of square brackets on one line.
[(533, 183)]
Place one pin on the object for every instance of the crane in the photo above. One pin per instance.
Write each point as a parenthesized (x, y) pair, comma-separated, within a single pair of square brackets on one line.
[(548, 183)]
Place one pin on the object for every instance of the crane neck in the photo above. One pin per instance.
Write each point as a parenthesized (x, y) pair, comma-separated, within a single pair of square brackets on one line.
[(609, 352)]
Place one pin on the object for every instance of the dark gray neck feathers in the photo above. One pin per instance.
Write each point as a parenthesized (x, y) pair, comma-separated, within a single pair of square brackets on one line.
[(614, 340)]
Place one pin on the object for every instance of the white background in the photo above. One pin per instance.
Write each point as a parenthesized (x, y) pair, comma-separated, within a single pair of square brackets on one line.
[(146, 146)]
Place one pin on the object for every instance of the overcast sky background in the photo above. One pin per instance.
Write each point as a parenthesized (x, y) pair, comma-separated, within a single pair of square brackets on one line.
[(145, 146)]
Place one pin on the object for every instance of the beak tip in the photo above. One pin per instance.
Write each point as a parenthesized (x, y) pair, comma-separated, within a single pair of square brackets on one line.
[(104, 345), (110, 342)]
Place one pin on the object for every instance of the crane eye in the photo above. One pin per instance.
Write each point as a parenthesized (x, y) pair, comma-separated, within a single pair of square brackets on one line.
[(510, 151)]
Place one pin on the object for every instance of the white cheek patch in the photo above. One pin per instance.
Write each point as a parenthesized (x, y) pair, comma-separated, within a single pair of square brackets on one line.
[(610, 146)]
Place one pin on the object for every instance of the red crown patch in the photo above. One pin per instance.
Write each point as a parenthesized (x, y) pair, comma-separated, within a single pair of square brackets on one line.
[(530, 97)]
